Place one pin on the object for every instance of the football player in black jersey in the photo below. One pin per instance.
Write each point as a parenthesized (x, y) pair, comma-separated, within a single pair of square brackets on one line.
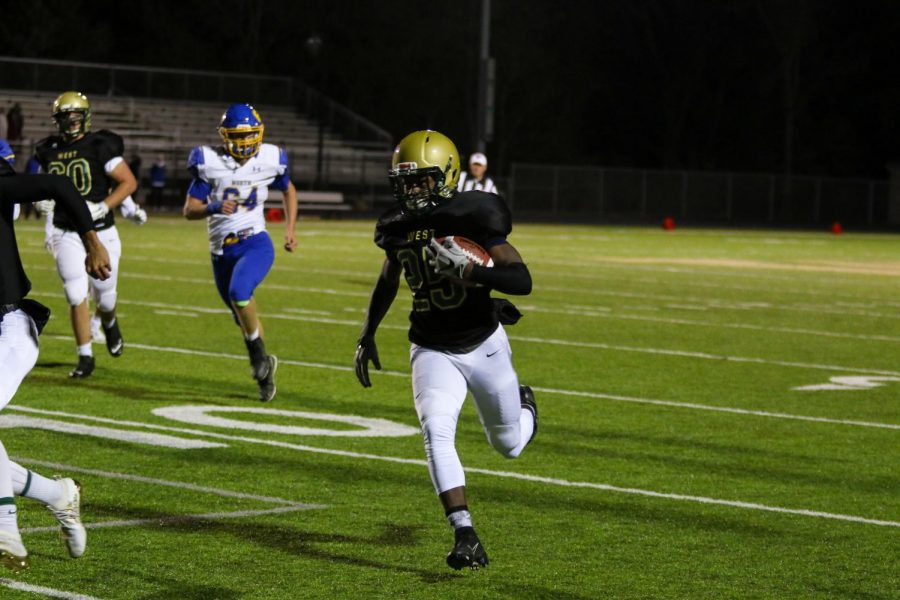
[(21, 321), (457, 341), (94, 163)]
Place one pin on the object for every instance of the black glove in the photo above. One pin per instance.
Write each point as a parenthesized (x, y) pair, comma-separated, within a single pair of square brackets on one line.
[(507, 313), (366, 350)]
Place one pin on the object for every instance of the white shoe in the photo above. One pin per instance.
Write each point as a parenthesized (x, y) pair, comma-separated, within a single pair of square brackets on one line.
[(68, 513), (97, 329), (13, 554)]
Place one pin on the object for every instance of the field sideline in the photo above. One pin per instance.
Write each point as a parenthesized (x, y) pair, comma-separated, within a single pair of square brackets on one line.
[(719, 419)]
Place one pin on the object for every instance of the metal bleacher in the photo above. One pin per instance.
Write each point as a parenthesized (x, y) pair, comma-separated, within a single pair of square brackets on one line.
[(159, 122)]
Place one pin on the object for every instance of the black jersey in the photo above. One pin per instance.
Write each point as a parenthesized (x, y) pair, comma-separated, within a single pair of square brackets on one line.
[(14, 285), (445, 315), (84, 162)]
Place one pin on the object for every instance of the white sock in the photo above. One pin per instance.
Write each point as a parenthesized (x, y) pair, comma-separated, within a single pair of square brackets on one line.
[(8, 514), (460, 518), (251, 336), (35, 486), (85, 350)]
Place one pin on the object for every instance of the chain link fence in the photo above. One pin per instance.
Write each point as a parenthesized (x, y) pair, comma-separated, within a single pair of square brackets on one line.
[(619, 194)]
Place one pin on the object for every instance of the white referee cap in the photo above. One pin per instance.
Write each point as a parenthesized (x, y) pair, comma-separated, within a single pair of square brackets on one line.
[(478, 159)]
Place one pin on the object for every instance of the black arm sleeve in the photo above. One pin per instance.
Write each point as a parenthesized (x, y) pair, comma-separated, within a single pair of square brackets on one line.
[(382, 297), (512, 279), (31, 188)]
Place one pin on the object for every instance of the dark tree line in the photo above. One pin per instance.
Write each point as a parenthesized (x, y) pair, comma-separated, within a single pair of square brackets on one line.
[(800, 86)]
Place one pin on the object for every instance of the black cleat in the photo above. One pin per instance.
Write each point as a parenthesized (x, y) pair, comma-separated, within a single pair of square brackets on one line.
[(84, 368), (528, 403), (468, 551), (114, 342), (267, 382), (259, 360)]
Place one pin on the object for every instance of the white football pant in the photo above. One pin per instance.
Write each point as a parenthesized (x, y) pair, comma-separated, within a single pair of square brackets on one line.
[(18, 352), (440, 381), (70, 254)]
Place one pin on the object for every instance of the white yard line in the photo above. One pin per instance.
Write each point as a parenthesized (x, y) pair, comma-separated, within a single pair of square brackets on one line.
[(818, 293), (608, 313), (555, 342), (688, 498), (585, 311), (747, 272), (724, 409), (704, 356), (714, 304), (213, 516), (583, 394), (43, 591), (530, 478), (140, 478)]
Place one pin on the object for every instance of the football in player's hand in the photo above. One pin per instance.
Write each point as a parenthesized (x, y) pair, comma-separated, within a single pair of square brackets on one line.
[(473, 251)]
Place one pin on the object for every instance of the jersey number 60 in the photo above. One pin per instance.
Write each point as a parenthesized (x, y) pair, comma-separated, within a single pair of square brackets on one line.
[(78, 171)]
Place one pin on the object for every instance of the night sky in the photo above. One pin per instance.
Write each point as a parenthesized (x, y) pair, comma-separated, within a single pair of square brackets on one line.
[(765, 85)]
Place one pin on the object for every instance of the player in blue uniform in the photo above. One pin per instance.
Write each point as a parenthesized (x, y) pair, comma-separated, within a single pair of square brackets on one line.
[(229, 188)]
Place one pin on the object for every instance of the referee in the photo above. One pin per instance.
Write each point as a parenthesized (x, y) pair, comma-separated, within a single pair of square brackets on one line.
[(476, 179), (21, 321)]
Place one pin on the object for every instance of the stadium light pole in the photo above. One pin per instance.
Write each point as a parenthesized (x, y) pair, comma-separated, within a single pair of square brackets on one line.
[(314, 49), (486, 74)]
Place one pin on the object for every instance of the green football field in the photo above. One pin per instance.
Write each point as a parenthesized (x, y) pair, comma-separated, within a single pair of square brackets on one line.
[(677, 456)]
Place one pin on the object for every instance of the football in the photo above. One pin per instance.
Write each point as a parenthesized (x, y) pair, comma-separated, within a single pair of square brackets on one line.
[(473, 251)]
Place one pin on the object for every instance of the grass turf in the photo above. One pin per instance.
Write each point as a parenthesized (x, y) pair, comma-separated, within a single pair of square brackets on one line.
[(664, 364)]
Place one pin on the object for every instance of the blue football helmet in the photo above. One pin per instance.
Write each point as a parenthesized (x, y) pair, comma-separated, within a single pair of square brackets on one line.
[(242, 131)]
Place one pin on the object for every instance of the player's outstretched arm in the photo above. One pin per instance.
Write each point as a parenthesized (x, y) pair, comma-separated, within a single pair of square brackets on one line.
[(68, 201), (382, 297), (290, 217), (58, 187)]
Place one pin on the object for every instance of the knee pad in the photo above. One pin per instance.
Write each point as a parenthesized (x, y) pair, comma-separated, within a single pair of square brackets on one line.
[(504, 439), (439, 433), (76, 290), (105, 300)]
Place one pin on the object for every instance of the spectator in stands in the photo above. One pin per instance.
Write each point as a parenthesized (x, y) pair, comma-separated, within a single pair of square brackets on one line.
[(135, 165), (32, 167), (476, 179), (4, 125), (15, 122), (157, 181)]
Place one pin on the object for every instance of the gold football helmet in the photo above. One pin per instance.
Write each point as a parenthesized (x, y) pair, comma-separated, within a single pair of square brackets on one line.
[(72, 115), (424, 170)]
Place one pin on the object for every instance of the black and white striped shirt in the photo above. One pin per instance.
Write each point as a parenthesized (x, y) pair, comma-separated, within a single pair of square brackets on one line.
[(468, 183)]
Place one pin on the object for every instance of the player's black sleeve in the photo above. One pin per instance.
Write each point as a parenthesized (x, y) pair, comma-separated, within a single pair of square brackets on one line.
[(495, 217), (111, 143), (32, 188), (382, 297), (512, 279)]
